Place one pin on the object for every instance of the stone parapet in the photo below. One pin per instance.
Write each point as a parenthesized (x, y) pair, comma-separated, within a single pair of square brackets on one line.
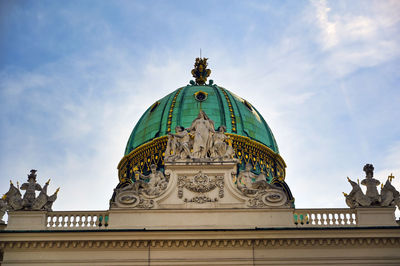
[(376, 216), (26, 220)]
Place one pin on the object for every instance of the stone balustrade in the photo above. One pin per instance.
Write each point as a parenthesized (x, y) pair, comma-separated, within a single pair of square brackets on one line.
[(70, 220), (325, 217), (154, 219)]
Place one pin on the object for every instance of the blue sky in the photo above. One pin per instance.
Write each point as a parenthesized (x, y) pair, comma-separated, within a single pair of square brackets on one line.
[(75, 77)]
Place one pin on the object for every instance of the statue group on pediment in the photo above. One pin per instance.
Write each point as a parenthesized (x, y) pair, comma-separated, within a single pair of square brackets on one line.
[(199, 142), (13, 200), (261, 193), (139, 194), (389, 196)]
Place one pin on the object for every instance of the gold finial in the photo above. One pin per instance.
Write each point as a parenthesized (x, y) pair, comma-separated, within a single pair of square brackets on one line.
[(348, 179), (345, 194), (358, 181), (11, 183), (4, 197), (391, 177), (48, 182), (58, 189), (381, 186), (200, 71)]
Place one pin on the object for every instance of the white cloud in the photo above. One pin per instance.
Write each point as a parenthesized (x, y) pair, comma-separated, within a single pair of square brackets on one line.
[(355, 39), (329, 36)]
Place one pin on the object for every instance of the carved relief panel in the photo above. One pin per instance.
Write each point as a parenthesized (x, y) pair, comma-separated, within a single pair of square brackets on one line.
[(201, 188)]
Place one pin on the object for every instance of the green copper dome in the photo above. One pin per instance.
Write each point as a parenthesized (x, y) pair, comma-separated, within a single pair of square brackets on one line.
[(182, 106)]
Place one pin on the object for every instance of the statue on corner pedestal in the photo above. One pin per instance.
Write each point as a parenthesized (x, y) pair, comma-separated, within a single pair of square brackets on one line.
[(13, 200), (389, 196)]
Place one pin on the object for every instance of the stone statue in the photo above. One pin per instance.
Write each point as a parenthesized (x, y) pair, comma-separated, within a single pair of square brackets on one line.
[(43, 201), (261, 194), (220, 149), (371, 184), (356, 197), (15, 201), (31, 186), (156, 184), (245, 180), (140, 194), (3, 208), (202, 129), (389, 195), (250, 183), (14, 198), (200, 142), (178, 146)]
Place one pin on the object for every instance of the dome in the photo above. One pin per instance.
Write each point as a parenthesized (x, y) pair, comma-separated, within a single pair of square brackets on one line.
[(182, 106), (248, 134)]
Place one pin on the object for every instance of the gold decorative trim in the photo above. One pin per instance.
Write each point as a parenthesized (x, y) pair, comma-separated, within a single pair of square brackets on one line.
[(142, 157), (246, 150), (171, 110), (200, 92), (251, 151), (154, 106), (232, 114)]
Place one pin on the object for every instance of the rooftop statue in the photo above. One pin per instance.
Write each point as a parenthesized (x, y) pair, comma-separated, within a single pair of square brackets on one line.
[(156, 182), (14, 201), (261, 193), (389, 196), (140, 194), (199, 142), (220, 149), (202, 130), (3, 208), (178, 145), (200, 71), (31, 186)]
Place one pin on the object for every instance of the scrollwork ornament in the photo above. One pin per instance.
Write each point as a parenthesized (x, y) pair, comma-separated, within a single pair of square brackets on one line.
[(268, 198)]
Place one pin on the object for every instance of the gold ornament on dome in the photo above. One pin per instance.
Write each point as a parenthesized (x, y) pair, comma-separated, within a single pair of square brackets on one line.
[(200, 71)]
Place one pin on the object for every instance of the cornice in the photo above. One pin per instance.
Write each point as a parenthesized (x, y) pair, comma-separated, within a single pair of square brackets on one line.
[(378, 242)]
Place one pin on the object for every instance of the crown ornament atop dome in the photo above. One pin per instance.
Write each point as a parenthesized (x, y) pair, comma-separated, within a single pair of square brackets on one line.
[(200, 71)]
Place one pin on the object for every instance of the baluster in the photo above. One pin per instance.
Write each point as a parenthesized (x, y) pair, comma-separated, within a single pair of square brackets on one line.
[(100, 223), (84, 220), (339, 219), (64, 221), (70, 221), (80, 221), (313, 219), (76, 220), (92, 221), (353, 220), (50, 220), (95, 220), (89, 220), (334, 221), (106, 220), (346, 219)]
